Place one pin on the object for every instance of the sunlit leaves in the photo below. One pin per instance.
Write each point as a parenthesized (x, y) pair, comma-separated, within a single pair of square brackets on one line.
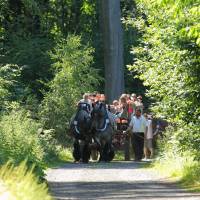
[(167, 60), (73, 76), (88, 7), (8, 79)]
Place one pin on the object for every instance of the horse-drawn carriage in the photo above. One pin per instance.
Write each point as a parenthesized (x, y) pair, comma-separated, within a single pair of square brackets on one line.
[(121, 139), (95, 132)]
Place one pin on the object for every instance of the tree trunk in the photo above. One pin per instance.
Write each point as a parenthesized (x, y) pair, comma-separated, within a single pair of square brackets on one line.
[(113, 49)]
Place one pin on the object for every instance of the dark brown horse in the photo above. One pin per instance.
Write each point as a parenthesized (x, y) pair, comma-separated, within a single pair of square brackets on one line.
[(80, 127), (103, 131)]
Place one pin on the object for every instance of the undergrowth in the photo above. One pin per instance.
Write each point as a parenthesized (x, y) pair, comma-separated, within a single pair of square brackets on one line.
[(20, 183)]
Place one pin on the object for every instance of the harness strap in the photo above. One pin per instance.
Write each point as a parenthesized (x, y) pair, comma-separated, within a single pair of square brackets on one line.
[(107, 121), (76, 127)]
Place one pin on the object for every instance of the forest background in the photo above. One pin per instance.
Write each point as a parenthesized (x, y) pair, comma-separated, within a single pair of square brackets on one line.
[(51, 52)]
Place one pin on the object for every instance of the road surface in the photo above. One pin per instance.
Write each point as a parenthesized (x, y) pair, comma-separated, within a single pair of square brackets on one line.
[(115, 180)]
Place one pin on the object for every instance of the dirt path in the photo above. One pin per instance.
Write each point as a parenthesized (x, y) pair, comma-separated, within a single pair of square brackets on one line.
[(115, 180)]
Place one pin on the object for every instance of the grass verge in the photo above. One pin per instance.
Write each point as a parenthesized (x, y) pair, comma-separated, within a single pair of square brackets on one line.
[(64, 155), (182, 168), (19, 183)]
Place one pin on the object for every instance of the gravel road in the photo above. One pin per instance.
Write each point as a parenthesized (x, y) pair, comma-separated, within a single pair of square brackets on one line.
[(115, 180)]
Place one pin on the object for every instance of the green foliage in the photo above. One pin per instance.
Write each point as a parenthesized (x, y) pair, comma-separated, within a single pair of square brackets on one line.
[(19, 183), (9, 76), (188, 136), (24, 42), (178, 162), (31, 54), (19, 139), (73, 76), (191, 177), (131, 38), (167, 60), (65, 155)]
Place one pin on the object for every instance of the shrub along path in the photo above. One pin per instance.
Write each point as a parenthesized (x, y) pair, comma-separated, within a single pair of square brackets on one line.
[(115, 180)]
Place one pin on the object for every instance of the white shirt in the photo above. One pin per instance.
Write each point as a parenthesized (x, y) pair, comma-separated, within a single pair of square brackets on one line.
[(150, 129), (138, 124)]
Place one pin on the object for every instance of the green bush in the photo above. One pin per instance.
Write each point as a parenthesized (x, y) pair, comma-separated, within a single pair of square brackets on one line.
[(178, 162), (167, 60), (9, 75), (49, 144), (19, 140), (19, 183)]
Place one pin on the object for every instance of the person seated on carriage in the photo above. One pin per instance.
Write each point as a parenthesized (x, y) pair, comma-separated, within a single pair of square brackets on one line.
[(122, 114), (85, 103), (139, 103), (92, 98), (134, 97), (124, 105), (102, 98), (131, 107), (115, 107), (97, 97)]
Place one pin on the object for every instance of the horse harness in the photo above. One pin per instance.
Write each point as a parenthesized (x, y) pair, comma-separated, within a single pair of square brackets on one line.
[(106, 122), (81, 106)]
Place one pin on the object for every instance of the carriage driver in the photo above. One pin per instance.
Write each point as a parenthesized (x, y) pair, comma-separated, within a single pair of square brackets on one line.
[(86, 103)]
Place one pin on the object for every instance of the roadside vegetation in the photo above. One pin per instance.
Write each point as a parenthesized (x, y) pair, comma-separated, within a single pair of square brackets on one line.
[(167, 60), (37, 132), (46, 58), (27, 188)]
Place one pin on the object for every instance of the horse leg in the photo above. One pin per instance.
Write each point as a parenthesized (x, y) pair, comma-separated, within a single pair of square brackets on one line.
[(82, 146), (111, 152), (86, 153), (76, 151), (105, 152), (100, 153), (105, 149), (108, 152), (99, 147)]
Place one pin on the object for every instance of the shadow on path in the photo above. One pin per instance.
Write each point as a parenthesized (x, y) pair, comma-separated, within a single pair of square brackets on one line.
[(114, 180), (120, 190)]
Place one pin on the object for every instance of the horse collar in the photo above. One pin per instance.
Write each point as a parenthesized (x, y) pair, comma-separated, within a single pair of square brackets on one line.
[(106, 122), (76, 127)]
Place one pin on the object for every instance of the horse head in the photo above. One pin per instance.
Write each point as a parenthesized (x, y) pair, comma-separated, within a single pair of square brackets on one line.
[(99, 110)]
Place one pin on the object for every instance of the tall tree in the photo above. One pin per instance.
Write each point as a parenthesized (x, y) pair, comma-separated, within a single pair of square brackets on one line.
[(113, 48)]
